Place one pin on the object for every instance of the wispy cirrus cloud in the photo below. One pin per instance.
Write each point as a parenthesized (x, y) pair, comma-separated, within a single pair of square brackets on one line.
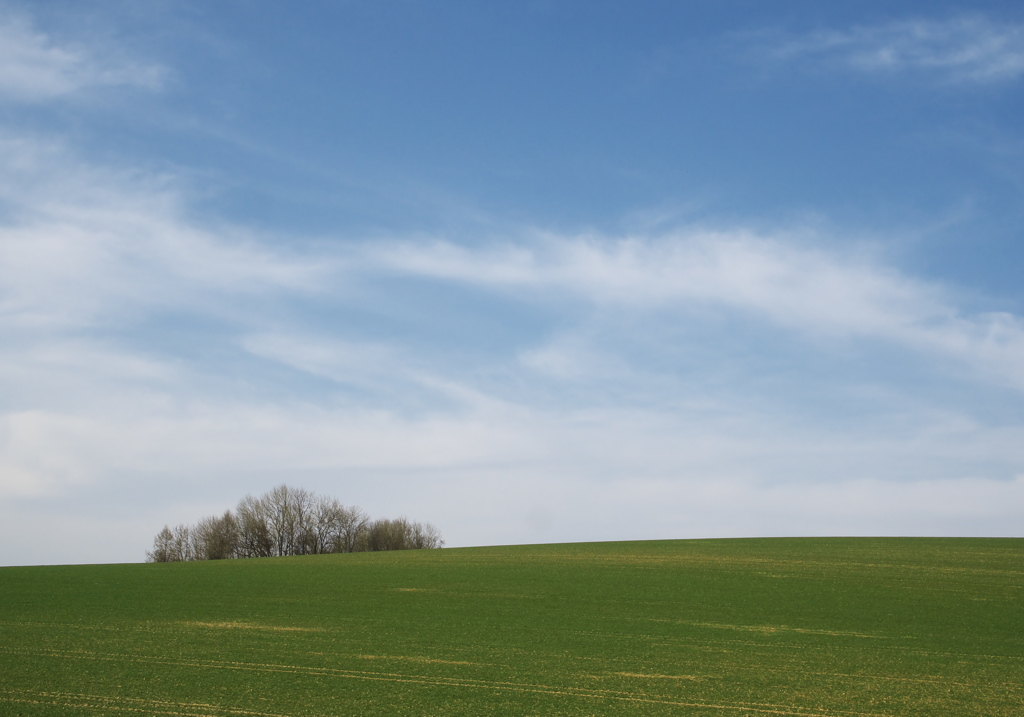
[(784, 282), (88, 248), (34, 68), (966, 49), (93, 248), (87, 245)]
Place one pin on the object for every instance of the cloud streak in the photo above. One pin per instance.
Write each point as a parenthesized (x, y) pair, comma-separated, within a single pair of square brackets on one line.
[(91, 246), (820, 294), (35, 69), (966, 50)]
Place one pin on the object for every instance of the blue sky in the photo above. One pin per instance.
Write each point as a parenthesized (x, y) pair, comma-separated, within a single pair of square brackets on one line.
[(531, 271)]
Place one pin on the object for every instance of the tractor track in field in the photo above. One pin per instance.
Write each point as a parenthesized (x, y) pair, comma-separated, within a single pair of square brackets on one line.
[(431, 680), (79, 700)]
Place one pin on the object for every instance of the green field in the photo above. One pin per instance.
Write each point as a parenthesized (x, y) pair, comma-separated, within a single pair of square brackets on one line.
[(857, 626)]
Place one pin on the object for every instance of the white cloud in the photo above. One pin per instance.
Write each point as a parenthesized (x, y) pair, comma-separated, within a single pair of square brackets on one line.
[(964, 49), (390, 375), (91, 246), (522, 474), (51, 453), (574, 357), (96, 249), (818, 293), (33, 68)]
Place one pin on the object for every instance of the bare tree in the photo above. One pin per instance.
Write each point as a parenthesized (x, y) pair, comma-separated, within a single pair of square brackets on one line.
[(426, 536), (254, 539), (288, 512), (162, 547), (332, 527), (352, 524), (401, 534), (182, 547), (172, 546), (216, 538)]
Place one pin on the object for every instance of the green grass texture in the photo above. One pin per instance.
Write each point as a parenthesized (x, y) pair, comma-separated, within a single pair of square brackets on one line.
[(804, 626)]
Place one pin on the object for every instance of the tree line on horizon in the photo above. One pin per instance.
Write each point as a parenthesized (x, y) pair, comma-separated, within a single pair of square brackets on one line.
[(288, 521)]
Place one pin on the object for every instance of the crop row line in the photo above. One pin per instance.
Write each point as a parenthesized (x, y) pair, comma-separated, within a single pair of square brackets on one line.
[(638, 697), (125, 704)]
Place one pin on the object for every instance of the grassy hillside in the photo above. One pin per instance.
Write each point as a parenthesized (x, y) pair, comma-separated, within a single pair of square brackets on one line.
[(718, 627)]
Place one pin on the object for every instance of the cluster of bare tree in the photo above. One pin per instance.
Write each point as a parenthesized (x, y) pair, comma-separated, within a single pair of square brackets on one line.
[(288, 521)]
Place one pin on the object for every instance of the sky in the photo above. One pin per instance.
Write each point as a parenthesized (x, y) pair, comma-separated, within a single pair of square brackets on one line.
[(532, 271)]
